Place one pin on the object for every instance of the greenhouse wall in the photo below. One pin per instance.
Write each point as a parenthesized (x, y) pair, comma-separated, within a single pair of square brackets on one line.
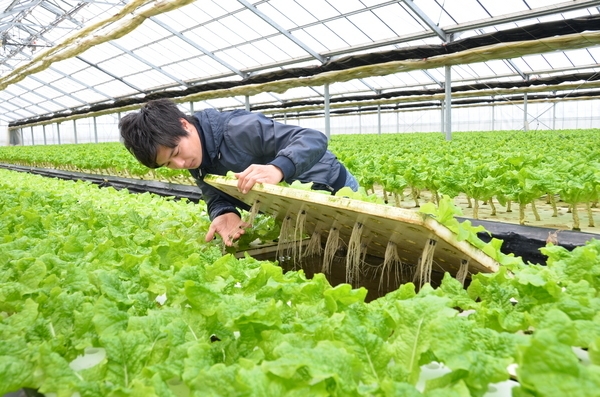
[(541, 116)]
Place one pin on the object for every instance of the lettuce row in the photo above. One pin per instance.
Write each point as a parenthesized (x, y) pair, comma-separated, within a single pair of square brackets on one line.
[(84, 268)]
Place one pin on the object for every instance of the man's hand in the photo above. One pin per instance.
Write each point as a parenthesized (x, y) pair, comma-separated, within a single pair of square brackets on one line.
[(256, 173), (229, 226)]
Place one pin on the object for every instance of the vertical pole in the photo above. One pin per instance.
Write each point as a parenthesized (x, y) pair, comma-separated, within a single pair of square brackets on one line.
[(95, 130), (379, 119), (119, 122), (22, 137), (32, 141), (397, 120), (247, 103), (359, 121), (285, 118), (58, 132), (75, 130), (44, 131), (191, 107), (554, 116), (327, 120), (442, 118), (493, 114), (448, 114), (525, 124)]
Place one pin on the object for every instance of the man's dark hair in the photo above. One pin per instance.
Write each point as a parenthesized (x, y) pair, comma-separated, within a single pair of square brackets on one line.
[(157, 123)]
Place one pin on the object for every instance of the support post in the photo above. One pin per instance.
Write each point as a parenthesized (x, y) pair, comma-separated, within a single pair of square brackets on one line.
[(493, 114), (525, 123), (75, 130), (247, 103), (327, 120), (379, 119), (442, 118), (448, 113), (554, 116), (58, 132), (32, 140), (359, 121), (44, 131), (95, 130)]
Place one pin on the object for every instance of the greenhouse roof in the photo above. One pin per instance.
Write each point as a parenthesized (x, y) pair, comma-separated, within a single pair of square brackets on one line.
[(62, 58)]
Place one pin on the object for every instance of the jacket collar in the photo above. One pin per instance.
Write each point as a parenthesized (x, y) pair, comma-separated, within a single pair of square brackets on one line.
[(209, 150)]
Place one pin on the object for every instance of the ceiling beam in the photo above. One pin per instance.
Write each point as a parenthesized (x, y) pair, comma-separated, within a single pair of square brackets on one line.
[(423, 17)]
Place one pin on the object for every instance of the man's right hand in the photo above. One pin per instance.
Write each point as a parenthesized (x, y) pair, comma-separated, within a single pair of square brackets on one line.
[(229, 226)]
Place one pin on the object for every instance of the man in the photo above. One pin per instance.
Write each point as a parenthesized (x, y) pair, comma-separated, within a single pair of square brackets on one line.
[(256, 148)]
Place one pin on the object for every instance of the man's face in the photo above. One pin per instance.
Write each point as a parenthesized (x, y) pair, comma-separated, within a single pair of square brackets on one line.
[(186, 155)]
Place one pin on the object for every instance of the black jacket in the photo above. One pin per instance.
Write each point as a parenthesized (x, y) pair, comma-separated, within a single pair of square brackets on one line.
[(232, 141)]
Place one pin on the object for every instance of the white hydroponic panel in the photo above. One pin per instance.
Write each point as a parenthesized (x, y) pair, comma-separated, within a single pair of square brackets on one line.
[(410, 231)]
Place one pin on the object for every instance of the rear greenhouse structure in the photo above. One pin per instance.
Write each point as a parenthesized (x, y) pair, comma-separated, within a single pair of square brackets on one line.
[(466, 264)]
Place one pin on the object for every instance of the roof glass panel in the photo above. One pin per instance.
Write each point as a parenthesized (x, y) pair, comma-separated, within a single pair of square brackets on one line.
[(292, 11), (499, 67), (308, 40), (276, 14), (249, 25), (271, 52), (183, 18), (494, 8), (19, 102), (16, 90), (216, 9), (27, 83), (123, 65), (397, 19), (239, 58), (287, 46), (192, 69), (211, 36), (67, 101), (352, 35), (371, 25), (92, 75), (115, 87), (48, 92), (148, 80), (557, 60), (584, 57), (100, 53), (69, 66), (321, 10), (230, 28), (480, 70), (93, 96), (51, 106), (68, 85), (323, 38)]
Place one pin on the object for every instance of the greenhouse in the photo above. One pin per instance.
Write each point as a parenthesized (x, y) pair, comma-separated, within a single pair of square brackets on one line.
[(358, 198)]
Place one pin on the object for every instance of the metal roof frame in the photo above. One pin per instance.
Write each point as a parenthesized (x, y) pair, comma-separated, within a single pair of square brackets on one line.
[(291, 38)]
